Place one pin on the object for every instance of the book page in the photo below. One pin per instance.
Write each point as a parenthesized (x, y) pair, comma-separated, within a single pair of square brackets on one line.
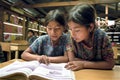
[(21, 67), (53, 72), (21, 71)]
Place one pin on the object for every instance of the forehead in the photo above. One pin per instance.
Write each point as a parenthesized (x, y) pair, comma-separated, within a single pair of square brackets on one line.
[(53, 24), (74, 25)]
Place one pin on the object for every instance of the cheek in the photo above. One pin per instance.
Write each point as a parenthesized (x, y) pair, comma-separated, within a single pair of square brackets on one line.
[(48, 32), (82, 36), (59, 33)]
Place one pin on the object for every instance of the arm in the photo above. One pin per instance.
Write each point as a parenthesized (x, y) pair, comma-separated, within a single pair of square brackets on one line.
[(72, 57), (107, 63), (29, 55), (99, 65), (77, 65), (89, 64), (59, 59), (31, 52)]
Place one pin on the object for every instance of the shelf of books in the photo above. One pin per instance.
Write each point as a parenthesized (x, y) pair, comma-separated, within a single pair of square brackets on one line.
[(42, 29), (37, 28), (13, 27)]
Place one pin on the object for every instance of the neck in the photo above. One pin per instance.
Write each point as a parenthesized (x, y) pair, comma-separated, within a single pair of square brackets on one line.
[(88, 41), (54, 42)]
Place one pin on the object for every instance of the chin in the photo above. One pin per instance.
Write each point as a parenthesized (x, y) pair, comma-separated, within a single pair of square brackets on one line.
[(54, 39), (78, 40)]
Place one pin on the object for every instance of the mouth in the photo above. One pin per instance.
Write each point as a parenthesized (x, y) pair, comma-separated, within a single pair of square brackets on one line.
[(54, 36), (77, 40)]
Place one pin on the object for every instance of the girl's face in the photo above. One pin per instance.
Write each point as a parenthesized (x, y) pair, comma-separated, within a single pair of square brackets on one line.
[(78, 32), (54, 30), (30, 34)]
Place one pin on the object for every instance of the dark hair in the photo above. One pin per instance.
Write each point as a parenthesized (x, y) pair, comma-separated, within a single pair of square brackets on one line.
[(82, 14), (31, 32), (55, 15), (43, 34)]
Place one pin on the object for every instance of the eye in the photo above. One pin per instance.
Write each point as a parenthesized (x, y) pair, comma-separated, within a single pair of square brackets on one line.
[(49, 28), (70, 29), (77, 30), (57, 28)]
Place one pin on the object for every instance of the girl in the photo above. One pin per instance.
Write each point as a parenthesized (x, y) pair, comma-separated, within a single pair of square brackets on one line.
[(91, 47), (51, 47)]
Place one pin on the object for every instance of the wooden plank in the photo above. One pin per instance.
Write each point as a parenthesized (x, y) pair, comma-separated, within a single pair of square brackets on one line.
[(106, 12), (115, 50), (6, 47), (1, 23), (72, 3)]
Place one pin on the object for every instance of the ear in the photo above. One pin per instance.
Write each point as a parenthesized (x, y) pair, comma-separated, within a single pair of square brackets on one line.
[(91, 28)]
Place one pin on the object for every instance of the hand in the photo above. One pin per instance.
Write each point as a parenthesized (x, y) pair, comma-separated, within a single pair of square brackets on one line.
[(75, 65), (44, 59)]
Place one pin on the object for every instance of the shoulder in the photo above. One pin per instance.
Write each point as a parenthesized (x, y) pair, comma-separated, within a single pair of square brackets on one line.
[(99, 33), (34, 37), (44, 37), (40, 40), (64, 37)]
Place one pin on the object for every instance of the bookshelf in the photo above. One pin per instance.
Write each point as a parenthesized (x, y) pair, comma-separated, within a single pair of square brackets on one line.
[(114, 36), (36, 27), (14, 27)]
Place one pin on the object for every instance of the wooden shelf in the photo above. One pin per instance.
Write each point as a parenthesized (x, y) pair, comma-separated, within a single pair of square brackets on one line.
[(37, 30), (112, 32), (33, 29), (42, 31), (15, 25), (13, 34)]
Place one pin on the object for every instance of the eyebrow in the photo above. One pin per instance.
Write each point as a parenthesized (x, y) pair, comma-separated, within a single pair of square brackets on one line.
[(76, 27), (55, 26)]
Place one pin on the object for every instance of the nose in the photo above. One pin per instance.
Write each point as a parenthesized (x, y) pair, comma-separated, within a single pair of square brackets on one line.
[(72, 34), (53, 31)]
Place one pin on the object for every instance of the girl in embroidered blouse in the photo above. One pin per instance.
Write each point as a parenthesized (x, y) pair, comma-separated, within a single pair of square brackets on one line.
[(89, 47), (52, 47)]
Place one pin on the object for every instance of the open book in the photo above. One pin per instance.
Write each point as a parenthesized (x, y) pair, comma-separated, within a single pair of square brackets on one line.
[(33, 70)]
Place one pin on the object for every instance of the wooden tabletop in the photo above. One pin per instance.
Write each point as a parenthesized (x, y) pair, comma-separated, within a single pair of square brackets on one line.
[(19, 44), (87, 74), (90, 74)]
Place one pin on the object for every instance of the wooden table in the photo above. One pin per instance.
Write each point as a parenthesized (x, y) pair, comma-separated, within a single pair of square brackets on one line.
[(8, 47), (87, 74)]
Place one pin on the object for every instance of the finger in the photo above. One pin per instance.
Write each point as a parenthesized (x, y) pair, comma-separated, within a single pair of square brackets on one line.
[(39, 59), (68, 64), (75, 68), (45, 59), (42, 59), (48, 60), (71, 67)]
